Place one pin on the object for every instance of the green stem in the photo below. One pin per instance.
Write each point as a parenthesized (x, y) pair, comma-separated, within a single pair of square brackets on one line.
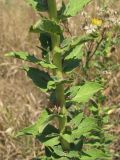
[(57, 61), (52, 9), (57, 58)]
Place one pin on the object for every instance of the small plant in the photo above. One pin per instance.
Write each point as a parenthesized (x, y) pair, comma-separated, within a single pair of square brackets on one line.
[(72, 127)]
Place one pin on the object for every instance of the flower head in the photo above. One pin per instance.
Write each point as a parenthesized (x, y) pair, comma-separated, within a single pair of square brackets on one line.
[(96, 22)]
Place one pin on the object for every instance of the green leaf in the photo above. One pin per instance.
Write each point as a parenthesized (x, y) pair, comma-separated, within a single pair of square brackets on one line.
[(46, 44), (51, 85), (39, 125), (71, 64), (30, 58), (75, 45), (78, 40), (23, 56), (78, 144), (87, 125), (59, 151), (73, 154), (45, 64), (77, 120), (39, 5), (68, 138), (86, 91), (50, 130), (52, 141), (47, 26), (94, 154), (66, 42), (73, 7), (40, 78), (63, 158), (73, 91), (49, 136), (54, 83), (76, 53)]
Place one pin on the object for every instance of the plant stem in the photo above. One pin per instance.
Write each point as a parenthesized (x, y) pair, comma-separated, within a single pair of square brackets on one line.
[(52, 9), (57, 59)]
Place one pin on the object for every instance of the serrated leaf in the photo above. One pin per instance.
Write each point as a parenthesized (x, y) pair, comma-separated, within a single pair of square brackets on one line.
[(47, 26), (78, 40), (50, 130), (39, 5), (54, 83), (46, 44), (86, 91), (63, 158), (30, 58), (23, 56), (59, 151), (87, 125), (71, 64), (78, 144), (66, 42), (40, 78), (52, 141), (51, 85), (73, 154), (45, 64), (93, 154), (39, 125), (77, 119), (49, 136), (69, 43), (73, 91), (73, 7), (68, 138), (76, 53)]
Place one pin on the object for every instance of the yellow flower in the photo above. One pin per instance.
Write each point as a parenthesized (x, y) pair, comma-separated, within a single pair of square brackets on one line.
[(97, 22)]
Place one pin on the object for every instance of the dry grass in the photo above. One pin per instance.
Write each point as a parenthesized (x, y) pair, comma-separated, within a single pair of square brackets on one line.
[(18, 98), (20, 101)]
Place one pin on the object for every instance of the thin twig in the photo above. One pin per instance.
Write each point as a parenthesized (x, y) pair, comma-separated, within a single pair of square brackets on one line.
[(97, 46)]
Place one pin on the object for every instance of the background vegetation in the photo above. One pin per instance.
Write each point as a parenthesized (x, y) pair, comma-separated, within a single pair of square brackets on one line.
[(19, 99)]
